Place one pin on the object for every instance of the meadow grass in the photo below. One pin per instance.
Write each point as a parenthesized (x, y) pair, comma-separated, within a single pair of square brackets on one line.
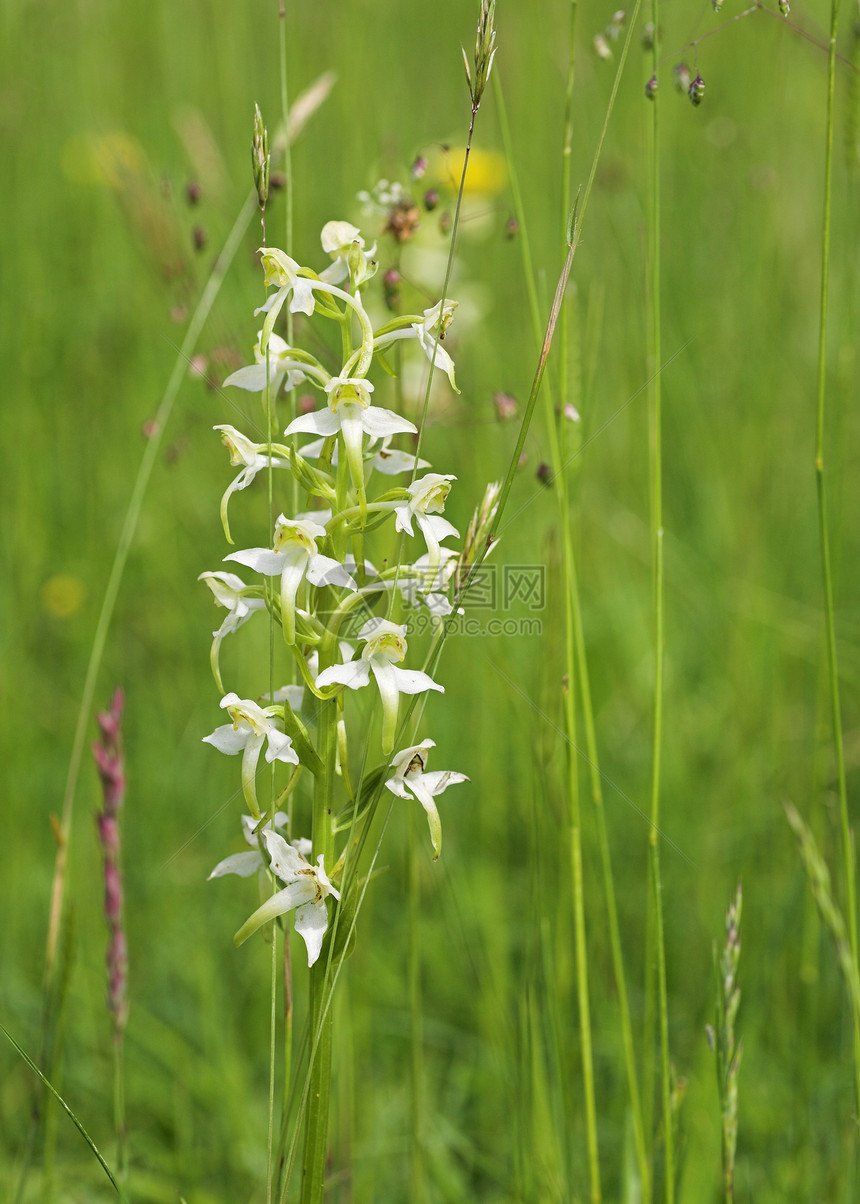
[(458, 1037)]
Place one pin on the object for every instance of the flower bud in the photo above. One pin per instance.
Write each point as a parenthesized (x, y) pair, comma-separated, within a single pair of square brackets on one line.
[(651, 87), (697, 90), (260, 158)]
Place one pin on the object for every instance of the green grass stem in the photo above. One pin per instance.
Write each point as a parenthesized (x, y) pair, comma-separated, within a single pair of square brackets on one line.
[(850, 886), (655, 895)]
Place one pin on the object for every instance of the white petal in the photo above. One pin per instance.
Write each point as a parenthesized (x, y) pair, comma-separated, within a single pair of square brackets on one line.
[(253, 378), (355, 674), (392, 462), (261, 560), (439, 526), (403, 518), (322, 570), (243, 864), (311, 925), (441, 779), (320, 422), (293, 695), (379, 423), (413, 681), (433, 348), (281, 748), (303, 297), (227, 739), (284, 860)]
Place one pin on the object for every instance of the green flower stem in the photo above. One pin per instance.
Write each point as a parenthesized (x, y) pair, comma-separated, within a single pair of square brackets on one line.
[(321, 1014), (359, 362), (417, 1175), (850, 886)]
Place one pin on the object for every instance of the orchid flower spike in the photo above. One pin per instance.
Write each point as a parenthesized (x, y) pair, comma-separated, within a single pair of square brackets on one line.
[(252, 727), (307, 888), (409, 777), (385, 643)]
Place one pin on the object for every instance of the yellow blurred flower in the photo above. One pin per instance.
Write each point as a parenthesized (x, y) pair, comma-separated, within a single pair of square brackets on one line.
[(487, 174), (63, 595)]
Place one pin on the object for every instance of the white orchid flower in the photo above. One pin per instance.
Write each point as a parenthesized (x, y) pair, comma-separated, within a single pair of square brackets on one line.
[(429, 330), (230, 591), (339, 239), (295, 558), (307, 889), (385, 643), (254, 377), (409, 777), (253, 457), (246, 864), (427, 497), (252, 727), (350, 414), (283, 272)]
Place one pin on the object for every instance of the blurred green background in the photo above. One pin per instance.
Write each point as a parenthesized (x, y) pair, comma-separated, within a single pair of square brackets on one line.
[(108, 112)]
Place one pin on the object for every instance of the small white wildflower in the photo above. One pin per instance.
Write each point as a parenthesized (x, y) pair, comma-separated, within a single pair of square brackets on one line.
[(307, 889), (295, 558), (385, 643), (427, 498), (350, 414), (253, 457), (230, 591), (409, 777), (252, 727)]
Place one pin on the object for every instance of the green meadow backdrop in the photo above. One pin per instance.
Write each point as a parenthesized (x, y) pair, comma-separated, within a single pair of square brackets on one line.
[(108, 112)]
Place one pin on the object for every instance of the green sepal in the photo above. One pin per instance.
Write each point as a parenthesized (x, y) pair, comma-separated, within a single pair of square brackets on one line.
[(298, 733), (314, 481)]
